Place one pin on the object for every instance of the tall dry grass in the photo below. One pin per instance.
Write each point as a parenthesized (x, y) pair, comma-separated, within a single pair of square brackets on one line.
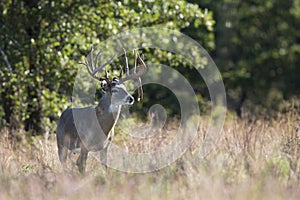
[(252, 159)]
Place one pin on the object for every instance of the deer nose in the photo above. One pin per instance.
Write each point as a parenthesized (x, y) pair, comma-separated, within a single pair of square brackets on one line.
[(130, 100)]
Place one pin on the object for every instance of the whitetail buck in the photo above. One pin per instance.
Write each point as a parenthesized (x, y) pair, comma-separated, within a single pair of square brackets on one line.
[(91, 128)]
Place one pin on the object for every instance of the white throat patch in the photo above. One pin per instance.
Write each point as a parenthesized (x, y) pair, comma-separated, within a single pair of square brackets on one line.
[(112, 108)]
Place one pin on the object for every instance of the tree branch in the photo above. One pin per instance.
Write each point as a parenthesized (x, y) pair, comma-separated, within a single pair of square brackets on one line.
[(6, 60)]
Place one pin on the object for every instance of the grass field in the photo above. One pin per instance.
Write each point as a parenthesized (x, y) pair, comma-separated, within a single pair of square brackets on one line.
[(253, 159)]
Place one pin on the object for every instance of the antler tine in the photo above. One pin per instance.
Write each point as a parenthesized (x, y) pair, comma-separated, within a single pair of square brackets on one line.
[(141, 71), (121, 73), (134, 52), (97, 57), (104, 65), (91, 65), (126, 63), (90, 72), (135, 74), (90, 56), (140, 90)]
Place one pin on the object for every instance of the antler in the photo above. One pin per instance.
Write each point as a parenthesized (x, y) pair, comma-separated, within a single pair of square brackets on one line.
[(91, 65), (135, 75)]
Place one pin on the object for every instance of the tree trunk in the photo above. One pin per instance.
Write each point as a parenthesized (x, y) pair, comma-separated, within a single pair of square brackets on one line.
[(34, 108)]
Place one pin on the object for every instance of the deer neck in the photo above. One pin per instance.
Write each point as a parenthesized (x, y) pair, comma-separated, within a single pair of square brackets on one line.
[(106, 107), (107, 113)]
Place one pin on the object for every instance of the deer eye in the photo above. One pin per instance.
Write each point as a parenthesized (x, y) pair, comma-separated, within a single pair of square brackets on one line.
[(114, 91)]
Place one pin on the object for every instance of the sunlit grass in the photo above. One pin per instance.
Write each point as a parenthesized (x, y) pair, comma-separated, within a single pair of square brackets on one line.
[(253, 159)]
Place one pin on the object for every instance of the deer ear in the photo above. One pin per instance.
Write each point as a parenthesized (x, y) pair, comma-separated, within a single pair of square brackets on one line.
[(104, 86), (115, 81)]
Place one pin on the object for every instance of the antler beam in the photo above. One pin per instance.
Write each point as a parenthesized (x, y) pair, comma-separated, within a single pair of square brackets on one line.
[(91, 65), (135, 74)]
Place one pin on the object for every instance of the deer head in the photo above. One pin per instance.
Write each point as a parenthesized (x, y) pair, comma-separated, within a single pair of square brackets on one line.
[(115, 87)]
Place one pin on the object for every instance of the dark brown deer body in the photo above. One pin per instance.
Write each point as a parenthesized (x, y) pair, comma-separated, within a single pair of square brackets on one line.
[(89, 129)]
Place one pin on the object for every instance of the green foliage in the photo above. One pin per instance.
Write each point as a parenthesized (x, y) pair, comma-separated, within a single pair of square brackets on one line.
[(279, 167), (42, 42)]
